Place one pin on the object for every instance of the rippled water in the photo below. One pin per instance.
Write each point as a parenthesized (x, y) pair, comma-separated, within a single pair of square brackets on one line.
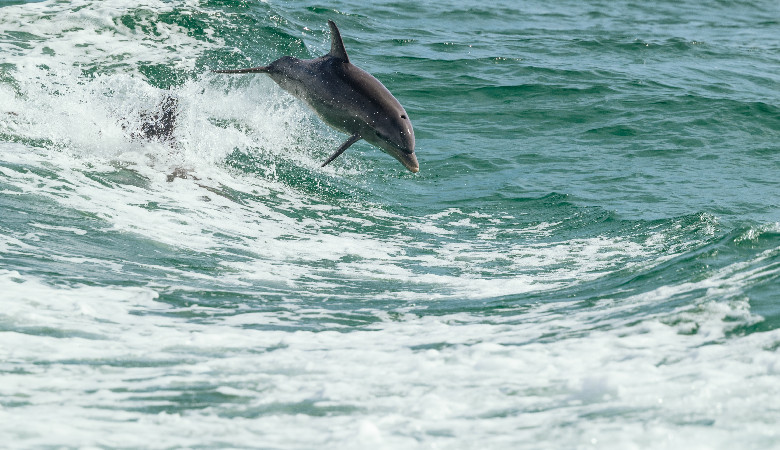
[(589, 256)]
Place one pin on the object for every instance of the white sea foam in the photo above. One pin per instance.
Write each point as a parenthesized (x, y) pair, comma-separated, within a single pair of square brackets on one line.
[(457, 380), (184, 220), (116, 356), (84, 32)]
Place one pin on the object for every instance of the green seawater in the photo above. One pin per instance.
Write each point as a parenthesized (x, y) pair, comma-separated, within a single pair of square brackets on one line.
[(589, 256)]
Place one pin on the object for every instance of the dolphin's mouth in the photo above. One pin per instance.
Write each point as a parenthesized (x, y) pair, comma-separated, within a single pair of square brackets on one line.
[(409, 160), (403, 155)]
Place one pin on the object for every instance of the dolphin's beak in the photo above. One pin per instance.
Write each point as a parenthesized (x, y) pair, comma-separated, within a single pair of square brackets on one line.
[(409, 161)]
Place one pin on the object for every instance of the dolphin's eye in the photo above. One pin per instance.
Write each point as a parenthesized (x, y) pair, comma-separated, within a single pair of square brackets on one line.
[(403, 116)]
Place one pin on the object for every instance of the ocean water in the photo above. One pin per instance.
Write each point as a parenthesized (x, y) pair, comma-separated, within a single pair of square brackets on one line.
[(589, 256)]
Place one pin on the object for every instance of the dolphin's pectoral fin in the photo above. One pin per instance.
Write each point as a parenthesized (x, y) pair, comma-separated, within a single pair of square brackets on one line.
[(352, 139), (261, 69), (336, 44)]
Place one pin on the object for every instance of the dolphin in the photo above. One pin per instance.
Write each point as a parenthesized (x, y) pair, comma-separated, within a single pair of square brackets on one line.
[(160, 125), (347, 98), (157, 125)]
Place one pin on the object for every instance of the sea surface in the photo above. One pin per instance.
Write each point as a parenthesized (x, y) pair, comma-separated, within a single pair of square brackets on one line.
[(589, 256)]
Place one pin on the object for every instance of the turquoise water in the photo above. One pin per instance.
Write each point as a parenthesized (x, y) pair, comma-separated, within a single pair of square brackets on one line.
[(589, 256)]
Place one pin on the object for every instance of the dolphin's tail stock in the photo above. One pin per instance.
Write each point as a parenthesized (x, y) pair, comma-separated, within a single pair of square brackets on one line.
[(261, 69)]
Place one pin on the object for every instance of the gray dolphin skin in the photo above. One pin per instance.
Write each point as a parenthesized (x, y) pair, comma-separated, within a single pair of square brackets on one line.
[(347, 98), (157, 125)]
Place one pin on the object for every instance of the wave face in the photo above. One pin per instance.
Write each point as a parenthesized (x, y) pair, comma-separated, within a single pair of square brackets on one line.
[(589, 256)]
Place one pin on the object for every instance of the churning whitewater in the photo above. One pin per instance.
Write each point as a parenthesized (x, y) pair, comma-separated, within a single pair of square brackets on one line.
[(589, 259)]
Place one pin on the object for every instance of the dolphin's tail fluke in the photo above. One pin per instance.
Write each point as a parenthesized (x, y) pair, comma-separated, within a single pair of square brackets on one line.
[(261, 69)]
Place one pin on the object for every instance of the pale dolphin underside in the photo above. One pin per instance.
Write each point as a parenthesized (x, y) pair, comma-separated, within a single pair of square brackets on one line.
[(347, 98)]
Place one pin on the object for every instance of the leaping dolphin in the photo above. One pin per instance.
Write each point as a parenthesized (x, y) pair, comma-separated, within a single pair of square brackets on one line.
[(347, 98)]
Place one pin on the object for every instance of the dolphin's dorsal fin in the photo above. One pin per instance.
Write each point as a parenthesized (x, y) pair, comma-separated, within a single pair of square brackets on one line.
[(336, 45)]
